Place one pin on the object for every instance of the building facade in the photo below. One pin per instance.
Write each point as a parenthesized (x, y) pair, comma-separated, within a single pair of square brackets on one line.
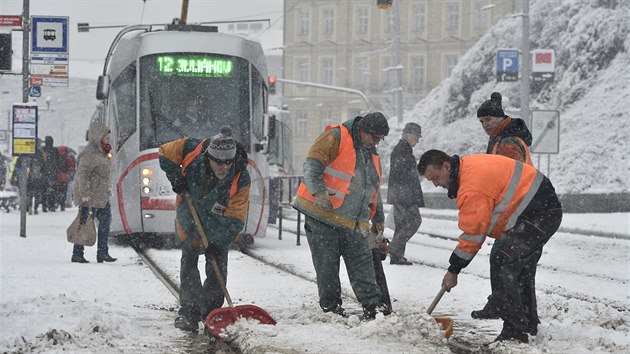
[(348, 43)]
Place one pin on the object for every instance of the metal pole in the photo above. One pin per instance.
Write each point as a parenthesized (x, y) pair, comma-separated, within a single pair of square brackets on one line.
[(396, 61), (25, 63), (526, 64), (184, 16)]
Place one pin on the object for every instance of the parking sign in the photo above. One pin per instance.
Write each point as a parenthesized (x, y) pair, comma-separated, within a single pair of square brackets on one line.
[(507, 65)]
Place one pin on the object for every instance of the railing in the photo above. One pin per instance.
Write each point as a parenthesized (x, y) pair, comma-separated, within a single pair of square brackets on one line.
[(282, 190)]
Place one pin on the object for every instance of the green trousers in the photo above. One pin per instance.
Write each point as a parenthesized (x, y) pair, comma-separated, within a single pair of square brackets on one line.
[(328, 244)]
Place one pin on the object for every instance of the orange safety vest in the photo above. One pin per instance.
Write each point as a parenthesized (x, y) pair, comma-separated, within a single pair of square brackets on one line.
[(528, 156), (338, 174)]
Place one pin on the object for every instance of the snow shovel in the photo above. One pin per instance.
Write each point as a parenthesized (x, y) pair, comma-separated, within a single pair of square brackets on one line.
[(445, 322), (219, 319)]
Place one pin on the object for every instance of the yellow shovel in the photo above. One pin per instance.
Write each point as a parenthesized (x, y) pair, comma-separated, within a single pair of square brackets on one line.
[(445, 322)]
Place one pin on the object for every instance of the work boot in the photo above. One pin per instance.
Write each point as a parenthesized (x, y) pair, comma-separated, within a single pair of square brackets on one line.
[(79, 259), (106, 258), (394, 259), (511, 334), (487, 313), (369, 312), (186, 324), (29, 211), (337, 309), (35, 211)]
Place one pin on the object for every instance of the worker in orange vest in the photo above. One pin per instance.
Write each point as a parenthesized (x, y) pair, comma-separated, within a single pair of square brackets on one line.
[(339, 195), (506, 200)]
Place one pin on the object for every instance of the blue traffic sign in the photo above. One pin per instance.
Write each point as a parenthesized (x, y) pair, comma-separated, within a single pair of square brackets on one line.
[(507, 65), (50, 34), (35, 91)]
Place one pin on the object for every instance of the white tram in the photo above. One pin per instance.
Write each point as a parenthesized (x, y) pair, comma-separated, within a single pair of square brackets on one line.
[(161, 83)]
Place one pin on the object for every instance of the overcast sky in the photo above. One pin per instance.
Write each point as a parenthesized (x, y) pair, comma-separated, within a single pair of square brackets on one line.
[(92, 47)]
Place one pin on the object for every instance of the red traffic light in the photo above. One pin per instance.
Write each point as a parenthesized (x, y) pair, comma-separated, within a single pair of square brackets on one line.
[(272, 79)]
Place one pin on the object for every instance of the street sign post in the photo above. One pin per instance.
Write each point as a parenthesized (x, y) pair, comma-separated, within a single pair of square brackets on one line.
[(507, 65), (49, 51), (10, 21), (543, 65)]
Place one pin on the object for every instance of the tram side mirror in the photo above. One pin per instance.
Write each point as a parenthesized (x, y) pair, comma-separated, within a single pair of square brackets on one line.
[(271, 133), (102, 87)]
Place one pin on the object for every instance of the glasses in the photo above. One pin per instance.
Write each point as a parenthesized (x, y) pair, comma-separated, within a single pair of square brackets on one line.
[(221, 162)]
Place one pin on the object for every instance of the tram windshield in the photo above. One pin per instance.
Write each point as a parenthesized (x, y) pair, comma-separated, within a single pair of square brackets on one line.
[(186, 94)]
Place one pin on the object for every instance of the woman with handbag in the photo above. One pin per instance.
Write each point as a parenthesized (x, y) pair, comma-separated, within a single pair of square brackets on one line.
[(92, 190)]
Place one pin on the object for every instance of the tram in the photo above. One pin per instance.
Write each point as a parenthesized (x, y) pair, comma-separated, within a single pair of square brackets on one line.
[(162, 83)]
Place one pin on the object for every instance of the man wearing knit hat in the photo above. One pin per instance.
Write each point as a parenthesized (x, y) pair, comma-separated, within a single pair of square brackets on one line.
[(404, 193), (213, 175), (339, 196)]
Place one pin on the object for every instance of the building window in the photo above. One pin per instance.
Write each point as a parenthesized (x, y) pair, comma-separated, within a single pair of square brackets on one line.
[(328, 68), (481, 16), (326, 119), (419, 18), (304, 22), (362, 72), (362, 18), (302, 69), (417, 73), (302, 121), (328, 16), (450, 60), (452, 17)]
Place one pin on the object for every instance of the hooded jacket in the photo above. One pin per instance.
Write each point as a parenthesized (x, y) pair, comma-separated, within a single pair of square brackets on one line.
[(222, 210), (511, 138), (94, 167), (404, 181)]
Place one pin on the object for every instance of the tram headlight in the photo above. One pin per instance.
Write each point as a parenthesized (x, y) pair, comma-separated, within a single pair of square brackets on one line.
[(146, 181), (146, 190), (146, 172)]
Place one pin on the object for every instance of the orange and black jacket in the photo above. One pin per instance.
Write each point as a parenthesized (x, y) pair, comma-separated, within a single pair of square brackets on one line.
[(492, 192), (511, 138)]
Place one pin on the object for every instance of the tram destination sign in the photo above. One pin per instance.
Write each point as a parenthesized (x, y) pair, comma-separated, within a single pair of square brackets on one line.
[(194, 66)]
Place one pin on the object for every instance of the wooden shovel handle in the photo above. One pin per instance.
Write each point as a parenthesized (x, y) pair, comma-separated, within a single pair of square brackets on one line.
[(204, 240), (437, 299)]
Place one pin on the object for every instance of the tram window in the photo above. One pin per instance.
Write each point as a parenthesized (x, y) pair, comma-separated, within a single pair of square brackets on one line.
[(193, 95), (124, 88), (258, 105)]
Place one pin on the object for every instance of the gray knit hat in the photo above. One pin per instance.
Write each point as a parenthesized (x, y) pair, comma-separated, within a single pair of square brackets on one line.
[(222, 147)]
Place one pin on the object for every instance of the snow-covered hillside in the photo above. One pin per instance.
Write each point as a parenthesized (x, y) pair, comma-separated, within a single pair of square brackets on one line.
[(591, 91)]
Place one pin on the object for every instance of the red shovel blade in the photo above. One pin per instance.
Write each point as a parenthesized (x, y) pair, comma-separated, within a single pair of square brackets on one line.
[(219, 319)]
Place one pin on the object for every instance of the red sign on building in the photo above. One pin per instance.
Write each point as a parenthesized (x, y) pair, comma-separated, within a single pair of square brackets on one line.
[(543, 58), (10, 21)]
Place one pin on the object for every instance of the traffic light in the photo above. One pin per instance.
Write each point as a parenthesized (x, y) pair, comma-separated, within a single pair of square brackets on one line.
[(272, 85), (384, 4), (5, 51)]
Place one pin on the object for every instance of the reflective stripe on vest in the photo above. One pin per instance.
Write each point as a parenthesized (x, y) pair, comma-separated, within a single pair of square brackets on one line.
[(528, 155), (502, 219), (338, 174)]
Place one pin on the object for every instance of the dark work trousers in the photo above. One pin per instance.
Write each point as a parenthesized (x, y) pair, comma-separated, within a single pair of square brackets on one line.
[(381, 280), (104, 218), (513, 268), (407, 220), (197, 300), (328, 244)]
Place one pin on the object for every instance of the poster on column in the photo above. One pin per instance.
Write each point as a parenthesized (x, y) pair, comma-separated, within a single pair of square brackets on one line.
[(24, 135)]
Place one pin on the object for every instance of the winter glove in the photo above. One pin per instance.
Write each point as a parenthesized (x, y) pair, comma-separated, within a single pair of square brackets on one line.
[(384, 247), (85, 212), (323, 200), (181, 187), (213, 251)]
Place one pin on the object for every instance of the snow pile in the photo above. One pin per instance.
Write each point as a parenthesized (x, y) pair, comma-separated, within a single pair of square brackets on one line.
[(591, 42)]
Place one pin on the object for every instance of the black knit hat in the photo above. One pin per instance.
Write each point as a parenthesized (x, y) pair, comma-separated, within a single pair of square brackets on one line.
[(374, 123), (492, 107), (222, 146)]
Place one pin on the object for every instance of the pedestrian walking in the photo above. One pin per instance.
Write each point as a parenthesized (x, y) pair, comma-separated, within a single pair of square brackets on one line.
[(506, 200), (339, 196), (51, 165), (404, 193), (509, 137), (92, 189), (212, 174)]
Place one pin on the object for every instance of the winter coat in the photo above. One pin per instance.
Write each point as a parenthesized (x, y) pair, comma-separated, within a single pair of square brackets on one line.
[(404, 181), (51, 163), (489, 190), (511, 138), (355, 209), (222, 210), (94, 166), (67, 165)]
